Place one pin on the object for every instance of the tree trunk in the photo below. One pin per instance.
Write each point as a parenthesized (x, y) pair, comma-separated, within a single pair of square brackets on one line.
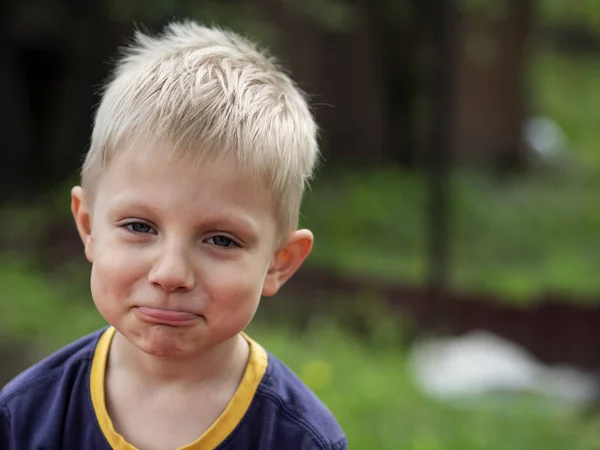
[(489, 85)]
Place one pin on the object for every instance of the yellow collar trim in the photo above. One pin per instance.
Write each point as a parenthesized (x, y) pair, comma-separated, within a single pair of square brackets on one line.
[(219, 430)]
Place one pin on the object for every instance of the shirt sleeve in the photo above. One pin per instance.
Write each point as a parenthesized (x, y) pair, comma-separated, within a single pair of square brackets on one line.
[(341, 445), (5, 442)]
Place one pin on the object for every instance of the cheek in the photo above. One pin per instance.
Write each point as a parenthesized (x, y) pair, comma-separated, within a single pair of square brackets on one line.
[(101, 295), (236, 290), (113, 277)]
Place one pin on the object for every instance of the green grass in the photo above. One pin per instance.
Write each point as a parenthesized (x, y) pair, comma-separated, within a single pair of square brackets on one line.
[(517, 240), (377, 403), (368, 388), (35, 308), (566, 88)]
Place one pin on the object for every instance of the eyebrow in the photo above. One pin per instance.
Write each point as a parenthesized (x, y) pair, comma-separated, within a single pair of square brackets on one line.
[(247, 226), (126, 202)]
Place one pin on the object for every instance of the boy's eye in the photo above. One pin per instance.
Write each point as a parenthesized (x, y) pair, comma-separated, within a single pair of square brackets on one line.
[(139, 227), (222, 241)]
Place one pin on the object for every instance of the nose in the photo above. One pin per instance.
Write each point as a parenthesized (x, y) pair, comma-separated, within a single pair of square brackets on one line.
[(173, 271)]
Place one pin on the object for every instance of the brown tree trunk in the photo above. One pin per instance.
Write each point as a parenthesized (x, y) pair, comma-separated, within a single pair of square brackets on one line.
[(489, 85)]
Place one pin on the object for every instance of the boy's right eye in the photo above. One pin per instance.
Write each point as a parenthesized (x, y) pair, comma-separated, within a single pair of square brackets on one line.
[(140, 227)]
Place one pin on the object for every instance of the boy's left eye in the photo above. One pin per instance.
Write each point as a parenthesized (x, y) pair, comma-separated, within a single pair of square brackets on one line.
[(139, 227), (222, 241)]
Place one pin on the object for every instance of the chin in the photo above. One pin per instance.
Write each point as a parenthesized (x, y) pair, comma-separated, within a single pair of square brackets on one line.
[(166, 341)]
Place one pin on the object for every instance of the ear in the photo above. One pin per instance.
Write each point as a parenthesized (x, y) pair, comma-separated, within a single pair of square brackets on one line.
[(81, 214), (287, 260)]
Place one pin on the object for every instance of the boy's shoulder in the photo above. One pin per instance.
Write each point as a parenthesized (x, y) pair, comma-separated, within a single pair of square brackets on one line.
[(48, 405), (41, 379), (285, 413)]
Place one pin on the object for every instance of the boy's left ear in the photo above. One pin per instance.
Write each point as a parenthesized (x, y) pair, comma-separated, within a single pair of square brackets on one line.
[(287, 260)]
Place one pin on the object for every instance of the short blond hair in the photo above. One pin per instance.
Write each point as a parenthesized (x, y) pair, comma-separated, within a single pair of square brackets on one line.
[(210, 93)]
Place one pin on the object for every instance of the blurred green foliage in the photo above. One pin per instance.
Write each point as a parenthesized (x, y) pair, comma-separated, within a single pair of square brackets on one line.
[(37, 308), (583, 13), (332, 15), (517, 238), (565, 87)]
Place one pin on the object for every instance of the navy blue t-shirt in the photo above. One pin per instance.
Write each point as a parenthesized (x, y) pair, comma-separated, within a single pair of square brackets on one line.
[(59, 404)]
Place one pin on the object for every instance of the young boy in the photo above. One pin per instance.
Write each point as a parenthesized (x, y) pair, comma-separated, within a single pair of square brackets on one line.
[(188, 212)]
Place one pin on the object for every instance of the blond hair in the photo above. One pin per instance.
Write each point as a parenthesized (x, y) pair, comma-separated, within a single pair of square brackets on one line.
[(209, 93)]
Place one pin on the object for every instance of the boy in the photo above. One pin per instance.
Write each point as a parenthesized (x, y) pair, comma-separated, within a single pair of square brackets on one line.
[(188, 212)]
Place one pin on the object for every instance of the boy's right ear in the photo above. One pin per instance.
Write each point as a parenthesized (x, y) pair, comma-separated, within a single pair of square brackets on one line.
[(81, 214)]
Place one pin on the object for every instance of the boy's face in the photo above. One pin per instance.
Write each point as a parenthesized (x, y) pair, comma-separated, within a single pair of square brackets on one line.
[(181, 257)]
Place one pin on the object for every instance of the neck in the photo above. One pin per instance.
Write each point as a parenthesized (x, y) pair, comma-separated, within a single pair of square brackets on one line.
[(224, 362)]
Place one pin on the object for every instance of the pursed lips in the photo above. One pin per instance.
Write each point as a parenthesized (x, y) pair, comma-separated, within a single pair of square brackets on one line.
[(165, 316)]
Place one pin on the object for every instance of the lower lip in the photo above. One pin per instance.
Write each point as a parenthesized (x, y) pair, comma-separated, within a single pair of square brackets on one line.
[(166, 317)]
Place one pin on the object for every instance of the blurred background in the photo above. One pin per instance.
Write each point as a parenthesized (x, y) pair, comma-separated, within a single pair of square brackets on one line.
[(451, 300)]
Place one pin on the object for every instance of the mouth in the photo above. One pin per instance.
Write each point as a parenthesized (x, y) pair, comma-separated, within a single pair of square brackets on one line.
[(165, 316)]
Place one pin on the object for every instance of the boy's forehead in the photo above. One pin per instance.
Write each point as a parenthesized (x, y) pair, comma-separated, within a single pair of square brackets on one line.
[(159, 161), (154, 172)]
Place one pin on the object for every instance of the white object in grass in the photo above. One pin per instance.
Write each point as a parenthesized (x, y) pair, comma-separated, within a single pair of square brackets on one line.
[(481, 363)]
